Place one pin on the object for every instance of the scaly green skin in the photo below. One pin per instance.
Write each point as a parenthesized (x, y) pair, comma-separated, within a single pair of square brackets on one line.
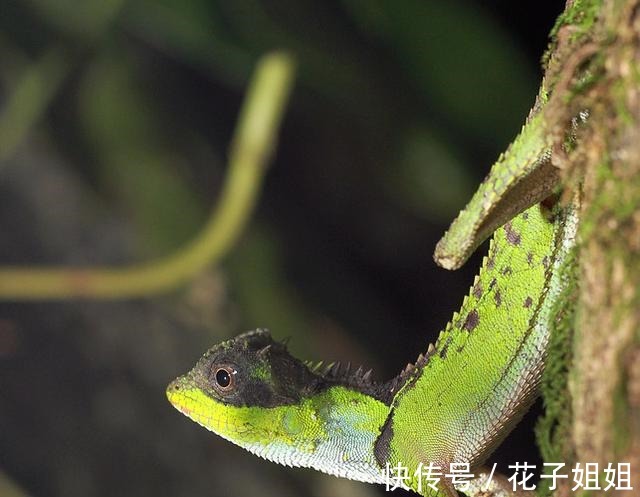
[(487, 363), (456, 403)]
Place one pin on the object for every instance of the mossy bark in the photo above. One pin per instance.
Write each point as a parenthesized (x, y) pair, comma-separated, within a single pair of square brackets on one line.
[(594, 65)]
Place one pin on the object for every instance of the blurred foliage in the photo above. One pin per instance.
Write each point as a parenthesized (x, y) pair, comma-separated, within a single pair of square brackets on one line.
[(134, 161), (116, 151)]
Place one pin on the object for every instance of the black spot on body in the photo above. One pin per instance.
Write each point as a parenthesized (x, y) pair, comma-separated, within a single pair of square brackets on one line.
[(491, 261), (525, 215), (513, 237), (527, 302), (506, 271), (473, 318), (530, 258), (445, 347), (477, 290), (497, 297)]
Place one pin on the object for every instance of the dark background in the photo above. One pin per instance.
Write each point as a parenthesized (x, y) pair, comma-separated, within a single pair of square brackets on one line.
[(399, 109)]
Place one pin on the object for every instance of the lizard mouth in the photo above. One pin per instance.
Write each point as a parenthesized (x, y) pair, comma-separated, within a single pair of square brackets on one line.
[(177, 397)]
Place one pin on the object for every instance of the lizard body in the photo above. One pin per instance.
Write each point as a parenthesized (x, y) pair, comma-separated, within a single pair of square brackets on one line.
[(459, 400)]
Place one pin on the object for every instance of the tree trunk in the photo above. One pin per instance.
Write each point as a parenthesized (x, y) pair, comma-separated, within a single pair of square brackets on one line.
[(594, 65)]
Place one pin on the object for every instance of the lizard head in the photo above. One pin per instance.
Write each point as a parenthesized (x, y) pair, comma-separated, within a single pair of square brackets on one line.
[(250, 370), (251, 391)]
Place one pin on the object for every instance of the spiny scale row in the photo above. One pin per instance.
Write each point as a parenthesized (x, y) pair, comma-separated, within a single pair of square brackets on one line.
[(336, 370), (420, 362)]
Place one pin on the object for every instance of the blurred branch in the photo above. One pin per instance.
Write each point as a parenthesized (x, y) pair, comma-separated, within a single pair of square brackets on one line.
[(251, 149), (30, 99)]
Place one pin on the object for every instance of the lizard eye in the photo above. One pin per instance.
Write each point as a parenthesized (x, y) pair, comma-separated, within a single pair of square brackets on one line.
[(224, 377)]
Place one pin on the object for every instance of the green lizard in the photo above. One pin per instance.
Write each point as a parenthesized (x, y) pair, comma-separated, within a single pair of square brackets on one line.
[(459, 399)]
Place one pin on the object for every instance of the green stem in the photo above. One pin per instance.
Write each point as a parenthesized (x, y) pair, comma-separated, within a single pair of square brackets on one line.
[(251, 148)]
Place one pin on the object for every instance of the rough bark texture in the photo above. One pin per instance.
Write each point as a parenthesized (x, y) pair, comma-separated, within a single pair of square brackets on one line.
[(594, 64)]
